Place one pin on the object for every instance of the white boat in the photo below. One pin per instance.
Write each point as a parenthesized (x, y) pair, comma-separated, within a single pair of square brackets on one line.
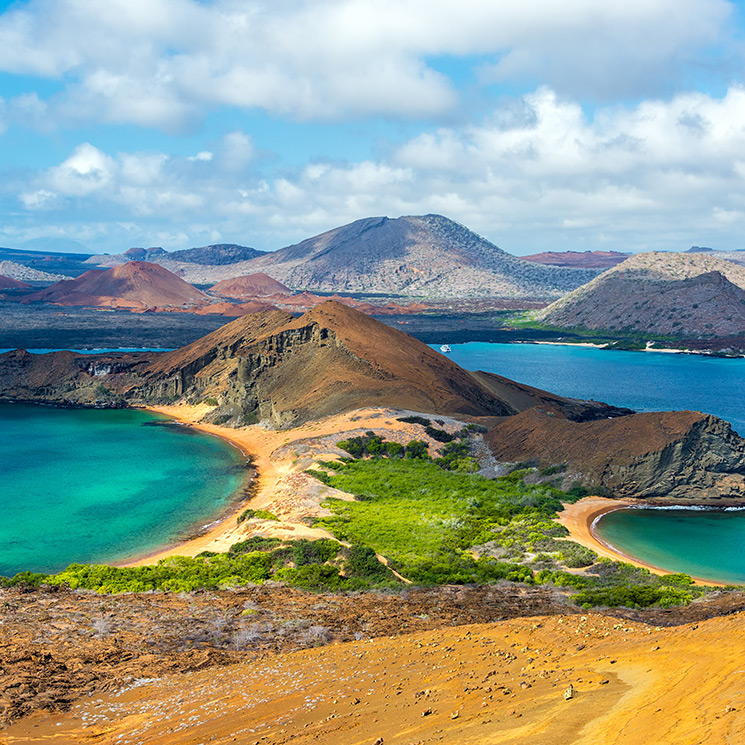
[(445, 348)]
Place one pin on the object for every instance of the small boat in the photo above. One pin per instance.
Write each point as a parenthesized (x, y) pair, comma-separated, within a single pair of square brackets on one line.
[(445, 348)]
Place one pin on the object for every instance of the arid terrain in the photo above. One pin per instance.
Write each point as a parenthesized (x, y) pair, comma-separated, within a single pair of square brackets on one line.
[(272, 666)]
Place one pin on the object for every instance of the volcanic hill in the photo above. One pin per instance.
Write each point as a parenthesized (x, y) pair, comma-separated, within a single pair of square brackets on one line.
[(692, 295), (282, 370), (427, 256), (136, 284), (8, 283), (250, 286)]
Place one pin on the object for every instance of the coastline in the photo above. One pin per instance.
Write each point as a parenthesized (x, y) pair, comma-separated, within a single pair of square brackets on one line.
[(580, 518), (280, 484)]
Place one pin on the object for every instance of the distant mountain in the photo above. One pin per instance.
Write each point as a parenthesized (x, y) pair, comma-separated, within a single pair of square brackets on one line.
[(678, 294), (203, 265), (50, 262), (700, 250), (250, 286), (135, 284), (24, 273), (579, 260), (217, 254), (429, 256)]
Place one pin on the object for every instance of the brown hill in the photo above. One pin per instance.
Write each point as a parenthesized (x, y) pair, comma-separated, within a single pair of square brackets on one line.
[(250, 286), (135, 284), (579, 260), (8, 283), (233, 310), (681, 456), (680, 294), (284, 370)]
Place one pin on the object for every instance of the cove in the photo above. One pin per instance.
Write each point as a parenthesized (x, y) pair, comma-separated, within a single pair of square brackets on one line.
[(643, 381), (707, 544), (99, 486)]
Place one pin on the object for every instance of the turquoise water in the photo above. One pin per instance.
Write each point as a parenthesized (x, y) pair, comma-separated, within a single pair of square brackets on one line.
[(643, 381), (100, 486), (706, 544), (703, 543)]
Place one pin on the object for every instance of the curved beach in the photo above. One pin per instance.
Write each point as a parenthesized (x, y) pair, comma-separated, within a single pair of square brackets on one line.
[(580, 519), (281, 485)]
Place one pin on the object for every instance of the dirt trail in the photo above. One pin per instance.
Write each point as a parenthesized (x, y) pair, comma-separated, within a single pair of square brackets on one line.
[(543, 680)]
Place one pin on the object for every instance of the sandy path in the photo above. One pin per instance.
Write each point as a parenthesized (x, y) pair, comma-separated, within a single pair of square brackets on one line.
[(503, 683)]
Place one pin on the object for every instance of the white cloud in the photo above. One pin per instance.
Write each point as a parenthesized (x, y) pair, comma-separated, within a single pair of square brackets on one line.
[(535, 175), (161, 63)]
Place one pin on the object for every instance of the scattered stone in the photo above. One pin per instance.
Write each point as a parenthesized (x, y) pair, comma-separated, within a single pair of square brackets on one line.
[(569, 693)]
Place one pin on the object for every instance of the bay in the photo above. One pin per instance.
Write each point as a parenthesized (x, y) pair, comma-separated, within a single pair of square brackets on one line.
[(88, 485), (643, 381)]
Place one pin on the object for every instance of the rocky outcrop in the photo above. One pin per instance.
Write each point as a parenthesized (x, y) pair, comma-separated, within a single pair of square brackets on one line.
[(677, 457)]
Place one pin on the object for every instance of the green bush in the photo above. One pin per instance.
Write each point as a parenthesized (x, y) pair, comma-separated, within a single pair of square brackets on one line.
[(258, 514)]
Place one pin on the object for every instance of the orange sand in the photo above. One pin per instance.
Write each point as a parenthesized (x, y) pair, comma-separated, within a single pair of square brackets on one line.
[(472, 685)]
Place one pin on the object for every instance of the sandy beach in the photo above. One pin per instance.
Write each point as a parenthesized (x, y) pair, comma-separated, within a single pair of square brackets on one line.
[(281, 487), (579, 519)]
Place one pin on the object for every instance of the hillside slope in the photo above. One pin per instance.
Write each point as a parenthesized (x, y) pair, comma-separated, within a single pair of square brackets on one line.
[(428, 256), (136, 284), (658, 293)]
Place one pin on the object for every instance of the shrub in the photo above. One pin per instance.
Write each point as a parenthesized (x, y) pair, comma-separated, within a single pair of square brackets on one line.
[(257, 514)]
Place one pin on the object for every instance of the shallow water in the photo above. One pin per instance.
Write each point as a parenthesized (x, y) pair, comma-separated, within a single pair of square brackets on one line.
[(102, 485), (709, 544)]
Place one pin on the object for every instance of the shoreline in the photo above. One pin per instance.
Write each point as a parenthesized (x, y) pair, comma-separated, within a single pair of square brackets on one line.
[(279, 459), (580, 519), (232, 509)]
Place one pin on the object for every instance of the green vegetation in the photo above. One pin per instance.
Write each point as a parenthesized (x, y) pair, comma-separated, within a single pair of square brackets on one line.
[(258, 514), (440, 527), (323, 565)]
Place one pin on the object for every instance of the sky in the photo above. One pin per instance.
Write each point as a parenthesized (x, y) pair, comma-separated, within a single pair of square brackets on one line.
[(539, 124)]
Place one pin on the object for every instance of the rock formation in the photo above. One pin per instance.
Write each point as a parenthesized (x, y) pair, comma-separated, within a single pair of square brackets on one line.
[(678, 456)]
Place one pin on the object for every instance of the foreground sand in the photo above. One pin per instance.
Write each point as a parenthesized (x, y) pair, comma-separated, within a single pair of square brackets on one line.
[(504, 682)]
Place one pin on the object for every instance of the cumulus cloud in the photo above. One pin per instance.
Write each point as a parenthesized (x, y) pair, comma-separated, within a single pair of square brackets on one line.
[(536, 174), (160, 63)]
